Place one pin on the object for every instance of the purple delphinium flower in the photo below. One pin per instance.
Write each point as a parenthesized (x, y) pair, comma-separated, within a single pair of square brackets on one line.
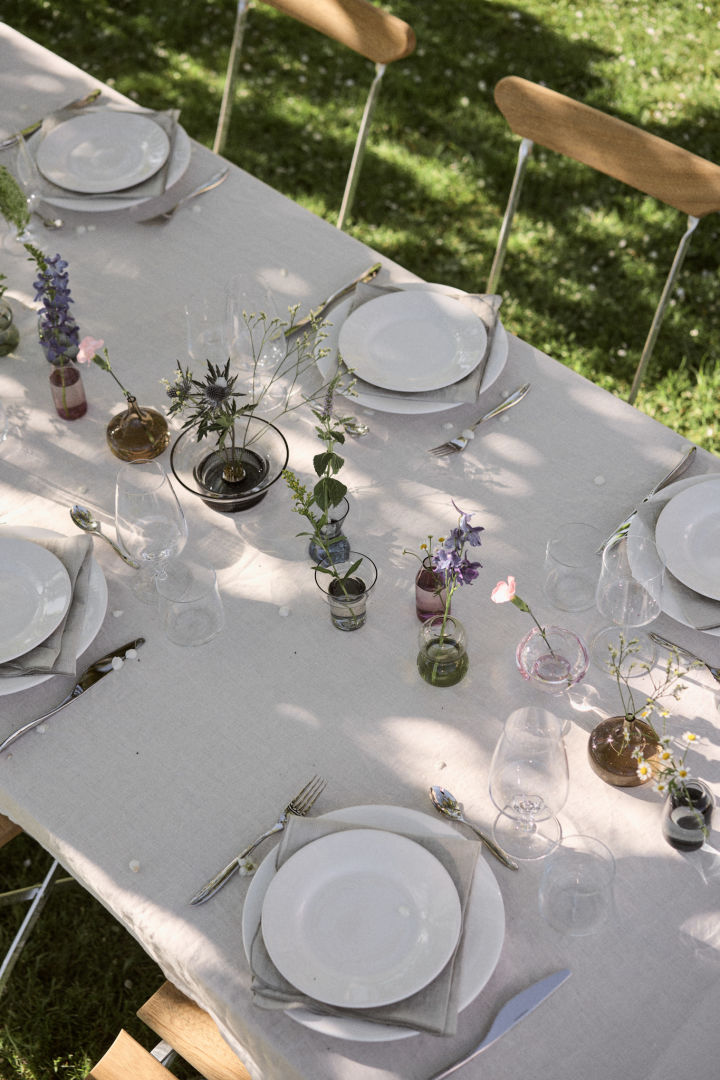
[(59, 333)]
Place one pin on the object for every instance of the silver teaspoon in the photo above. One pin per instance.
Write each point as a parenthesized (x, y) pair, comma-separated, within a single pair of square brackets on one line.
[(84, 520), (447, 804)]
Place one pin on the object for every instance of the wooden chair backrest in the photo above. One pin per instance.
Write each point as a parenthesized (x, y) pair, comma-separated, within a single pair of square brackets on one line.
[(646, 162), (358, 24), (191, 1033), (8, 830), (128, 1060)]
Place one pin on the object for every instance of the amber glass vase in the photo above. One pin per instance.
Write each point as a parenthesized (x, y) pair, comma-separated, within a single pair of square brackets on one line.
[(137, 434), (614, 747)]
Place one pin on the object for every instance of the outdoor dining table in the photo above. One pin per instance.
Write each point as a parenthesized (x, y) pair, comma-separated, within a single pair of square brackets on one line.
[(150, 782)]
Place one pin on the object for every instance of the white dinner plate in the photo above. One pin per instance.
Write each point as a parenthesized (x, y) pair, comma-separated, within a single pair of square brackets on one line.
[(94, 612), (177, 167), (483, 931), (678, 601), (103, 151), (411, 405), (361, 918), (412, 341), (35, 593), (688, 536)]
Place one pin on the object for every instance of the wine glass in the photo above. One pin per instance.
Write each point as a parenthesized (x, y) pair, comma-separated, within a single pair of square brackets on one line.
[(149, 521), (529, 783), (16, 158), (629, 592), (250, 304)]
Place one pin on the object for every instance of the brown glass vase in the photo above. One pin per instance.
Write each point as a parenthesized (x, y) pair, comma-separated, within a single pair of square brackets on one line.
[(137, 434), (68, 392), (613, 749)]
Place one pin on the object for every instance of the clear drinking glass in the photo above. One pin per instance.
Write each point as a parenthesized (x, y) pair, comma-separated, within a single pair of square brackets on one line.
[(149, 520), (629, 593), (190, 603), (16, 158), (529, 783), (571, 566), (576, 888)]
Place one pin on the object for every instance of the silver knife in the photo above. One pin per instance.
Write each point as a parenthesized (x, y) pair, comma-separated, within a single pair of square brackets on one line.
[(89, 677), (315, 314), (32, 128), (516, 1008), (674, 474)]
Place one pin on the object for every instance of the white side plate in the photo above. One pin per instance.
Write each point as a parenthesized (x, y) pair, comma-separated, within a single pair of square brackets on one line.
[(361, 918), (688, 536), (483, 932), (94, 613), (103, 151), (34, 595), (413, 341)]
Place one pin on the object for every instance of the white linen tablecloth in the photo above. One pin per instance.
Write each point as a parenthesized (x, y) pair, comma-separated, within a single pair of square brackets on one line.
[(150, 782)]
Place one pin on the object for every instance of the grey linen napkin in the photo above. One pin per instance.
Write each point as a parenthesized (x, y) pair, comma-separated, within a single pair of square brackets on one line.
[(466, 390), (153, 186), (434, 1008), (57, 655), (697, 610)]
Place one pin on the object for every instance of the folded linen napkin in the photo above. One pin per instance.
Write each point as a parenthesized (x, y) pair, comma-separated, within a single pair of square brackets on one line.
[(466, 390), (696, 610), (435, 1007), (153, 186), (57, 655)]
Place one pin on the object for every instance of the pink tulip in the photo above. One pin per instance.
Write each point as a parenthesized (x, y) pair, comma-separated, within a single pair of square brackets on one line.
[(87, 349), (503, 591)]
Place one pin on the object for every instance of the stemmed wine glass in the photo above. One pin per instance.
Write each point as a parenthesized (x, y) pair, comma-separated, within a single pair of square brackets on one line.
[(629, 593), (16, 158), (529, 783), (259, 356), (149, 521)]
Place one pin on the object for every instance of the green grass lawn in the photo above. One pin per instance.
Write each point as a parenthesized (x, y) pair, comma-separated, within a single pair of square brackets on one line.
[(585, 266)]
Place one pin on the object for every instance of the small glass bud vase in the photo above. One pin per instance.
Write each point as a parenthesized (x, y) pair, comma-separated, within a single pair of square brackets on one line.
[(347, 595), (337, 545), (687, 816), (430, 592), (442, 659), (552, 662), (137, 434), (68, 392), (9, 333)]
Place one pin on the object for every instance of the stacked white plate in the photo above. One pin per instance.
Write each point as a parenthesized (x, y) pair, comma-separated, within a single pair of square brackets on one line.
[(105, 152), (421, 339), (684, 519), (366, 917), (35, 594)]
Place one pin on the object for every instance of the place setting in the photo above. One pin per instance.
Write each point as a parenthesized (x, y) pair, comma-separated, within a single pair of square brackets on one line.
[(97, 157), (53, 595), (416, 348)]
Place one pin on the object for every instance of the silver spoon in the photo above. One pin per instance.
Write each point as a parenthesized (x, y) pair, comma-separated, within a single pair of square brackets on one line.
[(84, 520), (447, 804)]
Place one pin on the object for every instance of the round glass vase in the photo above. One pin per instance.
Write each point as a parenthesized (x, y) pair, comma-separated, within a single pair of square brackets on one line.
[(552, 663), (336, 545), (9, 333), (442, 659), (687, 815), (137, 434), (614, 746), (232, 479), (430, 592), (68, 392), (347, 596)]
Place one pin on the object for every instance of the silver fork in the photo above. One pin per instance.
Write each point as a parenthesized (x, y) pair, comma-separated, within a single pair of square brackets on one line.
[(299, 806), (714, 671), (454, 446)]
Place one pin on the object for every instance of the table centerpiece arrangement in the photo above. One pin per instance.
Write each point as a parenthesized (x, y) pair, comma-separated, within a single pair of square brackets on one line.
[(344, 577), (551, 657), (617, 744), (442, 659)]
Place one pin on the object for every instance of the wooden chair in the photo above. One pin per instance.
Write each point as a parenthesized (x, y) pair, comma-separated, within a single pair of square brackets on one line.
[(36, 895), (360, 26), (127, 1060), (191, 1033), (645, 162)]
